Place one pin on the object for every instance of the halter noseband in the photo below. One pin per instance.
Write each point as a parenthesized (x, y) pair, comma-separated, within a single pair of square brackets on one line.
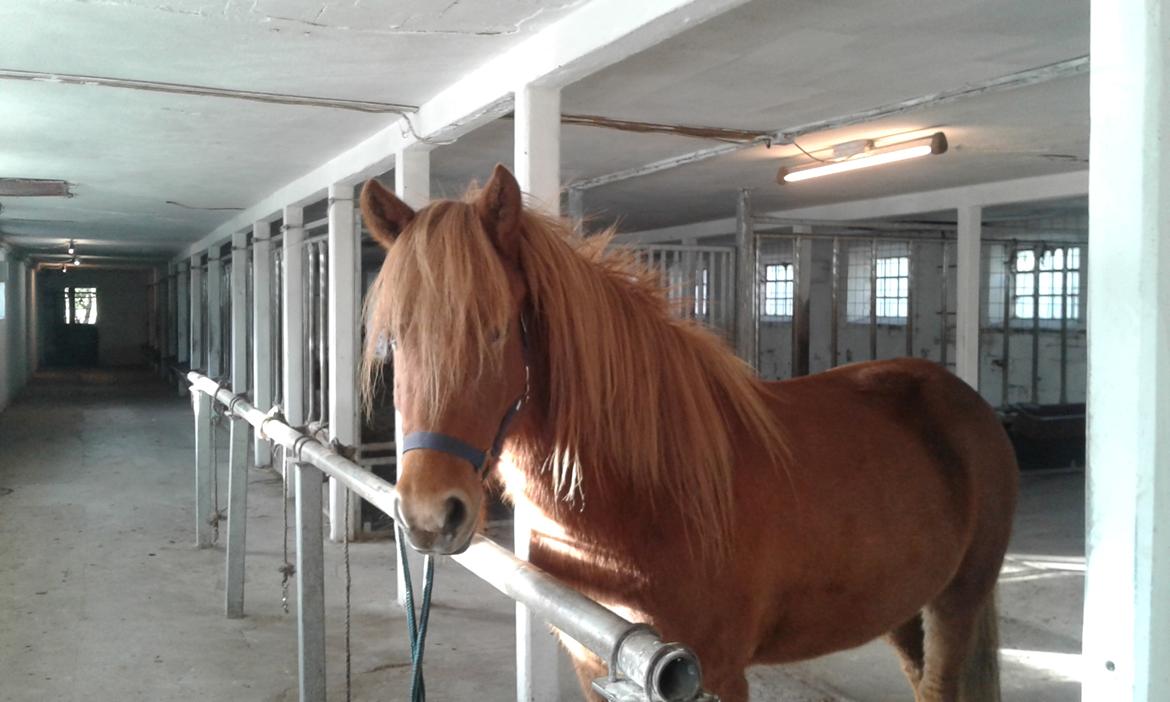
[(450, 445)]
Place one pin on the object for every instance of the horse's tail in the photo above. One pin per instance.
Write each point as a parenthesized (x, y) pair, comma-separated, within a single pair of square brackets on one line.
[(980, 676)]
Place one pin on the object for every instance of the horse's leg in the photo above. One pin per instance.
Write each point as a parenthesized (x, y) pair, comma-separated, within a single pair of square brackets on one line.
[(909, 641)]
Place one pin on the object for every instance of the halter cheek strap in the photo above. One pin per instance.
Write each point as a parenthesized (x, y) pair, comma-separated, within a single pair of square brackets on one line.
[(445, 443)]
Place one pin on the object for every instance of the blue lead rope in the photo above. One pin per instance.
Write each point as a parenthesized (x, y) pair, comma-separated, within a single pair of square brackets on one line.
[(416, 630)]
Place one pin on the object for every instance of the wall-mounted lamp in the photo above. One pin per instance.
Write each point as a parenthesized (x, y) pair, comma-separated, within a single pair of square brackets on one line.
[(70, 247), (857, 155), (76, 261)]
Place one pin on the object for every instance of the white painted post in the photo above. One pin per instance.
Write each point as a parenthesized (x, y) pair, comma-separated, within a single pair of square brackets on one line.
[(576, 205), (195, 355), (182, 323), (214, 315), (746, 338), (261, 330), (343, 328), (538, 171), (293, 322), (172, 310), (412, 183), (238, 442), (310, 583), (1127, 593), (183, 350), (967, 281)]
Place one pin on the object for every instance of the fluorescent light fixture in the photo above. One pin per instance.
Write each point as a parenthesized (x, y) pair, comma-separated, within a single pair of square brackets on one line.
[(933, 144), (34, 187)]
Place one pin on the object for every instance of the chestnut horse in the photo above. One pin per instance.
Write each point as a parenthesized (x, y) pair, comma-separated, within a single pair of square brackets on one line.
[(757, 522)]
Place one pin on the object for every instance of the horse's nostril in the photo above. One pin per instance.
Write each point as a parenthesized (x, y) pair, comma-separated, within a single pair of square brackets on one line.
[(456, 515)]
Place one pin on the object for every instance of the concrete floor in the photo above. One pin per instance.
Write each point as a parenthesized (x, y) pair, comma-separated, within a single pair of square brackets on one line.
[(104, 597)]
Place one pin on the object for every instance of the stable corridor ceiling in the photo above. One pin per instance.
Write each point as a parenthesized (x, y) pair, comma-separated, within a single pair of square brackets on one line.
[(154, 171)]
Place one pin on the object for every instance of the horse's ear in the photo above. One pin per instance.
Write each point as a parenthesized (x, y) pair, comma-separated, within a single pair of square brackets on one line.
[(384, 213), (499, 207)]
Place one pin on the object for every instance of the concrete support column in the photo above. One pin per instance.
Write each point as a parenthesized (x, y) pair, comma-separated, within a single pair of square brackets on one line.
[(261, 330), (538, 171), (172, 310), (576, 205), (197, 358), (183, 314), (238, 441), (412, 183), (292, 323), (343, 341), (746, 277), (968, 252), (214, 349), (1127, 593)]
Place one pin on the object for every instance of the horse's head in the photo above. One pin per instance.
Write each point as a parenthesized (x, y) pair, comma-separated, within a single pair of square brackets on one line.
[(447, 307)]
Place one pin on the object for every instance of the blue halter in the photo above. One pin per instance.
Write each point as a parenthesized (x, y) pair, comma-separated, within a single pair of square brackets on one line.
[(450, 445)]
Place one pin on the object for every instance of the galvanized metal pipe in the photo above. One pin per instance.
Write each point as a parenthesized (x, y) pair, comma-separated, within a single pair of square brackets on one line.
[(912, 247), (835, 305), (668, 672), (873, 297), (1009, 279), (1037, 252), (944, 313)]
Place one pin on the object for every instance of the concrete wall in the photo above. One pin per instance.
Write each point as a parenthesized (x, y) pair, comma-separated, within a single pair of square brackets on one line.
[(14, 366), (122, 321)]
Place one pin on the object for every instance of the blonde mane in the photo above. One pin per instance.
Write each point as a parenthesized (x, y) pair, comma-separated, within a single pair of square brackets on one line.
[(631, 387)]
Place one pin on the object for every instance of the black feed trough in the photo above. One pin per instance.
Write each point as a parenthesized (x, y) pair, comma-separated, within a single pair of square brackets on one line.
[(1047, 436)]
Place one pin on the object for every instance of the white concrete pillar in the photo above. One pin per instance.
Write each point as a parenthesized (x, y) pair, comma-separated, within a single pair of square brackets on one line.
[(238, 441), (412, 183), (196, 356), (968, 253), (1127, 594), (261, 331), (292, 310), (343, 306), (183, 314), (746, 275), (214, 345), (172, 311), (538, 171)]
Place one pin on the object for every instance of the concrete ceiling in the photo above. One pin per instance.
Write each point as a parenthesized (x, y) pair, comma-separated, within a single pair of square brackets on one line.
[(767, 65)]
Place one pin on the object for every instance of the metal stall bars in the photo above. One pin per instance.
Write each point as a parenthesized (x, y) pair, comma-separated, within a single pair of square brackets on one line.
[(315, 291), (872, 283), (642, 668), (1035, 291), (700, 281)]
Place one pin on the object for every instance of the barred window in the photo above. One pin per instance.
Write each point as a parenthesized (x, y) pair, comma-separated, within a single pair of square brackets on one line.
[(1045, 287), (702, 293), (889, 271), (81, 306), (778, 292)]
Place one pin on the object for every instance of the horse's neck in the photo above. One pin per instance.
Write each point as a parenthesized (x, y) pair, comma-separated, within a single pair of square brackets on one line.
[(605, 516)]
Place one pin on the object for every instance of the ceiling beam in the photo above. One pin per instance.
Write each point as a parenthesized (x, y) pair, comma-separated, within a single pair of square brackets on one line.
[(598, 34), (1004, 192)]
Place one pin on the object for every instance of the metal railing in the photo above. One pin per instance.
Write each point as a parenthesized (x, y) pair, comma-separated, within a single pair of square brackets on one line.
[(642, 668)]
